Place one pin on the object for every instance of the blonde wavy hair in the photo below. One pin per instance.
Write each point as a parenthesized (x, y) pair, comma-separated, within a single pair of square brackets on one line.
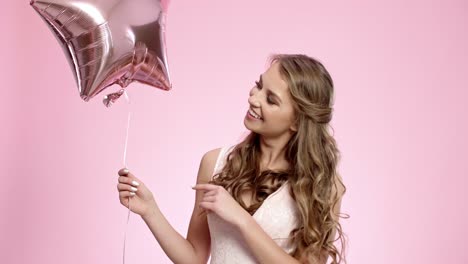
[(313, 157)]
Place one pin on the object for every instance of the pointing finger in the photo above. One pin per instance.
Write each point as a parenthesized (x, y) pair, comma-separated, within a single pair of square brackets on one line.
[(205, 186)]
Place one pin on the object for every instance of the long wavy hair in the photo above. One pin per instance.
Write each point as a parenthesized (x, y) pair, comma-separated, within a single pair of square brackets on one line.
[(313, 157)]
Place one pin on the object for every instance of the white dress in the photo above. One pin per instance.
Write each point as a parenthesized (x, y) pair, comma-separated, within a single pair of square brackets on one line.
[(277, 216)]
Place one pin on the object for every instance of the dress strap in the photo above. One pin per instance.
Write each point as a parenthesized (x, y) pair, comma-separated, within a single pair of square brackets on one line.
[(221, 160)]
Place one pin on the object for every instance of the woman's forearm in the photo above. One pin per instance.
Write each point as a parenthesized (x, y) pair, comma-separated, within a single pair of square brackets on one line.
[(176, 247)]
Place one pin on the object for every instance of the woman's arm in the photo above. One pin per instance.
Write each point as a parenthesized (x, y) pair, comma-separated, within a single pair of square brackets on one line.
[(176, 247), (194, 249)]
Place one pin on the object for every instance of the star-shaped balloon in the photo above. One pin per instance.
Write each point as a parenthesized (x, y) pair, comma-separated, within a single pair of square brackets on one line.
[(110, 42)]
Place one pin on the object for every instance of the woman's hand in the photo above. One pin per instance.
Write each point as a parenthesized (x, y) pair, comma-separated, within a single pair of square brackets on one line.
[(218, 200), (141, 198)]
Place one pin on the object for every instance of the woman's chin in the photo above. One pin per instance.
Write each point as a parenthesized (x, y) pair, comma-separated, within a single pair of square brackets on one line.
[(250, 127), (247, 125)]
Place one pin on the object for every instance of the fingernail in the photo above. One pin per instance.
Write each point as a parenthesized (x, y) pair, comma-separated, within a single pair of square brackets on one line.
[(134, 189), (193, 187), (125, 170), (132, 193), (135, 183)]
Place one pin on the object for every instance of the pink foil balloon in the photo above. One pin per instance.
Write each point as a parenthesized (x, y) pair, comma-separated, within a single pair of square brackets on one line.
[(110, 41)]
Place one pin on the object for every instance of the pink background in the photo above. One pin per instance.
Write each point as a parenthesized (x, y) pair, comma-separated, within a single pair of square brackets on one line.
[(400, 70)]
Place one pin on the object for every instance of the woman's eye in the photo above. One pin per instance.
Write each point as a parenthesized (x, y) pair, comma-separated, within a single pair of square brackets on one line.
[(257, 84)]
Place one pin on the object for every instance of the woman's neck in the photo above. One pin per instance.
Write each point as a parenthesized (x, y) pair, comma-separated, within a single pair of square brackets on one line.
[(273, 153)]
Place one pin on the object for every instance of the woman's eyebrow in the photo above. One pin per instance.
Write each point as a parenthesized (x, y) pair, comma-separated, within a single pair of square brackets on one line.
[(270, 91)]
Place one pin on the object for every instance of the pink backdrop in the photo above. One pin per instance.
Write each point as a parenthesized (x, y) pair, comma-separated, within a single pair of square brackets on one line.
[(400, 70)]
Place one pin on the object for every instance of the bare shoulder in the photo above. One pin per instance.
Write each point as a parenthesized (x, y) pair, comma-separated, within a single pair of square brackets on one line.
[(207, 164), (212, 155)]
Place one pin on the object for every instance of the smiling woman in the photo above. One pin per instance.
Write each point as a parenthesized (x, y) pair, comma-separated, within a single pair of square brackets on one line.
[(289, 146), (275, 197)]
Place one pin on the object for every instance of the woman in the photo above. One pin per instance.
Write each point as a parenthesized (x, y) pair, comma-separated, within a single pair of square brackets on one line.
[(273, 198)]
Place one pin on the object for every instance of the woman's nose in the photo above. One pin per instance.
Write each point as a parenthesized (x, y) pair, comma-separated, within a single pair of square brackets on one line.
[(253, 98), (253, 101)]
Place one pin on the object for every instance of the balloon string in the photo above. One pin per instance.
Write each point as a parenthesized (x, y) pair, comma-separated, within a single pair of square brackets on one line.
[(125, 166), (126, 140)]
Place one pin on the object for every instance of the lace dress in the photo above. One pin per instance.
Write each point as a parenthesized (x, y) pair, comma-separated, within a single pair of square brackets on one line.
[(277, 216)]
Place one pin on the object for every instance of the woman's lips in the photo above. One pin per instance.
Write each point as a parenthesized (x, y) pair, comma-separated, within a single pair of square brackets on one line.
[(250, 116)]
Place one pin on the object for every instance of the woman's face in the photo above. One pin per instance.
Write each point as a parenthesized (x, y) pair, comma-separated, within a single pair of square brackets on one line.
[(271, 102)]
